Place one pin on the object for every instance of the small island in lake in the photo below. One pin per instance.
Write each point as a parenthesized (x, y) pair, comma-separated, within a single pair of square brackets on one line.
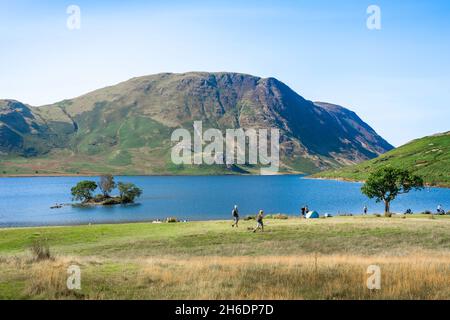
[(84, 192)]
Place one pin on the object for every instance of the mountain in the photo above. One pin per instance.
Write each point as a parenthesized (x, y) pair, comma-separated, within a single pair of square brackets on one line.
[(126, 128), (428, 157)]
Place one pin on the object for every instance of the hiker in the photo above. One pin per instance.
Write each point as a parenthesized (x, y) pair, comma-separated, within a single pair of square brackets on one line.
[(365, 210), (235, 214), (306, 209), (440, 210), (259, 221)]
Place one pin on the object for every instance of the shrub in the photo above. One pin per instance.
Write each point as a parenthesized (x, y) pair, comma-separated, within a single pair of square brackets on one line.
[(427, 212), (278, 216), (99, 198), (171, 220), (128, 192), (40, 250), (248, 218), (111, 201)]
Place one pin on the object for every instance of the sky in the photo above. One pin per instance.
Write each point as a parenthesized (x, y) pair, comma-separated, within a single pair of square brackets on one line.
[(396, 78)]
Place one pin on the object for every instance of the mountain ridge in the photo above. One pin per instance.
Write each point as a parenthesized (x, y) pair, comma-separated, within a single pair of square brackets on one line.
[(129, 123)]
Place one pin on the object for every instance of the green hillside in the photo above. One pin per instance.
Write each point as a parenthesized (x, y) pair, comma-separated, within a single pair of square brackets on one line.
[(428, 157), (126, 128)]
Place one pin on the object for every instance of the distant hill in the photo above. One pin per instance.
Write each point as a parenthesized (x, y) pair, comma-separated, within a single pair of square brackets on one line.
[(428, 157), (126, 128)]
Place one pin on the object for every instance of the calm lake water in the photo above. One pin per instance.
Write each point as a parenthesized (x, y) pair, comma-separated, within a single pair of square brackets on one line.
[(27, 201)]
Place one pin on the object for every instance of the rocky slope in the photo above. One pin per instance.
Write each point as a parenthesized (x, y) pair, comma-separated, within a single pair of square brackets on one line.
[(126, 128)]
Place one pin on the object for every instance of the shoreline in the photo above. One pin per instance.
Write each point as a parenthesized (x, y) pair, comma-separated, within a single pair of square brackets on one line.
[(148, 175), (302, 175), (290, 217), (363, 181)]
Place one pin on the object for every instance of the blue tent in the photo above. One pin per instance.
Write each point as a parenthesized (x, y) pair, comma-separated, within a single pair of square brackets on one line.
[(312, 215)]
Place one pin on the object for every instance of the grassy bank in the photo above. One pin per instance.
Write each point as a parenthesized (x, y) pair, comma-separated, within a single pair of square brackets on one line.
[(428, 157), (293, 259)]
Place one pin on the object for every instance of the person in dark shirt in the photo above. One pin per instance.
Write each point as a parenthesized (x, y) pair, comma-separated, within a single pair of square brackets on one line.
[(235, 214), (303, 212)]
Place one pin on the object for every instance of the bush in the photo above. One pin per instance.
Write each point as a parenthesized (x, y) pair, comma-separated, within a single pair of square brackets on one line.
[(40, 250), (128, 192), (377, 215), (278, 216), (111, 201), (248, 218), (427, 212), (171, 220)]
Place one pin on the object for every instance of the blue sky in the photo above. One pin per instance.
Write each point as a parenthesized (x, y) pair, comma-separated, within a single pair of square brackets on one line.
[(397, 78)]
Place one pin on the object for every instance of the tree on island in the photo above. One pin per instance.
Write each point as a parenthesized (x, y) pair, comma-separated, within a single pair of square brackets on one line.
[(83, 190), (107, 184), (385, 184), (128, 192)]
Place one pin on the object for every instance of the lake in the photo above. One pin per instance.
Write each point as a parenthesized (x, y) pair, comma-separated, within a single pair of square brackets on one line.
[(27, 201)]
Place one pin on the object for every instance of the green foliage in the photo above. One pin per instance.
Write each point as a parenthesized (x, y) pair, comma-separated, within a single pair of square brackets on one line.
[(107, 184), (128, 192), (83, 190), (427, 157), (385, 184), (278, 216), (120, 158)]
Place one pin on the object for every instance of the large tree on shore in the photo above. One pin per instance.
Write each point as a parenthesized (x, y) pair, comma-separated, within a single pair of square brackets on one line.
[(386, 183)]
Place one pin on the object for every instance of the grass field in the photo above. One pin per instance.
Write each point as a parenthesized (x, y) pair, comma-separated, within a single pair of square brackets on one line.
[(292, 259)]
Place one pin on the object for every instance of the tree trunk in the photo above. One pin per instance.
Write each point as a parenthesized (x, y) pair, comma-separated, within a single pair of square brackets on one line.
[(387, 206)]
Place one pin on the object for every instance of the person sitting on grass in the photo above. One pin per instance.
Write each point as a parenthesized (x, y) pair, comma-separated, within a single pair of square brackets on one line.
[(303, 209), (235, 214), (259, 221)]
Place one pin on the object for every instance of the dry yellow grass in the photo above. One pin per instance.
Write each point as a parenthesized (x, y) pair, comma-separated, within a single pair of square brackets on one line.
[(294, 259), (264, 277)]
